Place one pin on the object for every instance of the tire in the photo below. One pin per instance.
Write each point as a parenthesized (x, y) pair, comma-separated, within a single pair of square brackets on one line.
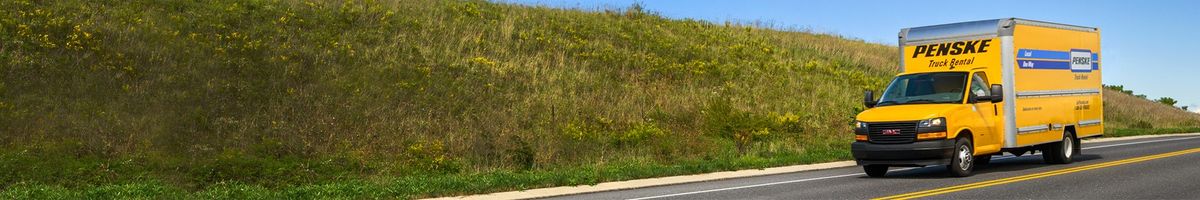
[(983, 160), (1061, 152), (875, 170), (962, 161)]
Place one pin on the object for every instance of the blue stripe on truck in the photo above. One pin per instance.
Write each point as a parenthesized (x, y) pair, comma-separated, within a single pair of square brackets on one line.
[(1050, 55), (1043, 64), (1043, 54), (1046, 64)]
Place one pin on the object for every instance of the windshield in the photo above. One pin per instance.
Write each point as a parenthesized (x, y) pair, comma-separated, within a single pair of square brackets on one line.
[(939, 87)]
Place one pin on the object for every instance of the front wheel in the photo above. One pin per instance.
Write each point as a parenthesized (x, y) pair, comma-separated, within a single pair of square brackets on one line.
[(963, 161), (875, 170)]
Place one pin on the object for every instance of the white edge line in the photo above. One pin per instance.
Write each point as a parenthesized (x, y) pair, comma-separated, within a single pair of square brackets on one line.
[(1142, 142), (747, 186), (857, 174)]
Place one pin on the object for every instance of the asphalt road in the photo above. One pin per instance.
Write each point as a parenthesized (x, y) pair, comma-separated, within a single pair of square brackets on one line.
[(1152, 168)]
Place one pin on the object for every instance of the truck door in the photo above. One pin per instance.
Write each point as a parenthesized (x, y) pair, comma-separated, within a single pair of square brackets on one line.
[(989, 137)]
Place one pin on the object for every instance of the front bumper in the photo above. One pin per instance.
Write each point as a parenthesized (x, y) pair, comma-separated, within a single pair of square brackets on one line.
[(922, 153)]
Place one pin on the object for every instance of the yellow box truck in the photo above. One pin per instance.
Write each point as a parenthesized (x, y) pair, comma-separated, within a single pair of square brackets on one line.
[(971, 90)]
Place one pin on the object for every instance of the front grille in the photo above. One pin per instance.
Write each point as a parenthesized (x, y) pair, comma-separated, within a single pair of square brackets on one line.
[(908, 132)]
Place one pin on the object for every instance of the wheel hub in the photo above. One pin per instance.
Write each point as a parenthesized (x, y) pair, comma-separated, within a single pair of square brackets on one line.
[(965, 158)]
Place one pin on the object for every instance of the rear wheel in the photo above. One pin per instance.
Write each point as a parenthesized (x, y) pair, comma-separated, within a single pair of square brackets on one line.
[(1061, 152), (875, 170), (963, 161)]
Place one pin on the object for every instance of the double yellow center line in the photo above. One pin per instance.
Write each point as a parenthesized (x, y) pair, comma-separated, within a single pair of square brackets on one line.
[(1034, 176)]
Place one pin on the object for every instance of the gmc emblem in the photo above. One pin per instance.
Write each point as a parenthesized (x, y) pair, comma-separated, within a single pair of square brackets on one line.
[(890, 132)]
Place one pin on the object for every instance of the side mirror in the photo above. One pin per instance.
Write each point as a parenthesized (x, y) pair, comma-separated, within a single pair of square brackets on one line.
[(869, 99), (997, 93)]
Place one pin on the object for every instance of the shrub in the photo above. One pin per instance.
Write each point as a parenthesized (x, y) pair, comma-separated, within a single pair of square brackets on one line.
[(1141, 125)]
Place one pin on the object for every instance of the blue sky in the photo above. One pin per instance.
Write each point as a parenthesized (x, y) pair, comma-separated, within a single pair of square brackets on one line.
[(1145, 45)]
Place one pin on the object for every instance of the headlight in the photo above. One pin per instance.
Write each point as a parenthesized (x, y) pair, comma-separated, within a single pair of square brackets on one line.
[(860, 128), (935, 122)]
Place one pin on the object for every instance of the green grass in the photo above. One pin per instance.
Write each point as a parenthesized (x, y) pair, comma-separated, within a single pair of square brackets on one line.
[(1121, 132), (411, 186), (300, 99)]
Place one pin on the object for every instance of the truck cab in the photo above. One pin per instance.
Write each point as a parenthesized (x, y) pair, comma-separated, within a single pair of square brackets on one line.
[(918, 117), (967, 91)]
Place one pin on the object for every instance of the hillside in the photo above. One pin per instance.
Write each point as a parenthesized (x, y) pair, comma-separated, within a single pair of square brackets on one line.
[(1125, 114), (415, 98)]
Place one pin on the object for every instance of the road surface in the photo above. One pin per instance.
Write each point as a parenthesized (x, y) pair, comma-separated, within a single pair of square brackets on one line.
[(1151, 168)]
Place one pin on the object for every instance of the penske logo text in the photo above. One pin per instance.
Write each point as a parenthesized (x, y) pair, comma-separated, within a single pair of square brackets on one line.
[(952, 48)]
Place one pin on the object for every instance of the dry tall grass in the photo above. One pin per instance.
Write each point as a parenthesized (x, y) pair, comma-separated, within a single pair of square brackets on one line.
[(1127, 111), (409, 87)]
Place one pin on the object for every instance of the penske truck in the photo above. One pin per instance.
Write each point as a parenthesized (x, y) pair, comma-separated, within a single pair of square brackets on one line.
[(972, 90)]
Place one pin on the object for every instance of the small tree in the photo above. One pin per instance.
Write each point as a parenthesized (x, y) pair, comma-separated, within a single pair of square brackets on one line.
[(1185, 108), (1168, 100), (1120, 88), (745, 128)]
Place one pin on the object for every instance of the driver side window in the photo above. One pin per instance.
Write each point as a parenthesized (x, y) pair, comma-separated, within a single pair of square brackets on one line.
[(979, 85)]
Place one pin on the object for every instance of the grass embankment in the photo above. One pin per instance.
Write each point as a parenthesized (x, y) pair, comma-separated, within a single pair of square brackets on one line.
[(1127, 115), (404, 99)]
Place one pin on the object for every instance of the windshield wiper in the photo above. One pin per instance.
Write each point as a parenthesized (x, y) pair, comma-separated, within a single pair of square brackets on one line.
[(884, 103), (919, 101)]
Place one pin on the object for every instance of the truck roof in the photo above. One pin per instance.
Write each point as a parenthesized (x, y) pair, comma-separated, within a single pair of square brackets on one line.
[(972, 29)]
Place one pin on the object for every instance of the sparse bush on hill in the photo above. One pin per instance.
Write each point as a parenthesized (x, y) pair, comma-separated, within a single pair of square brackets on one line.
[(1167, 101), (1164, 100)]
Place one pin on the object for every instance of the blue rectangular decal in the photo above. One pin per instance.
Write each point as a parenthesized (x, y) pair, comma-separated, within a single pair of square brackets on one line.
[(1048, 59)]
